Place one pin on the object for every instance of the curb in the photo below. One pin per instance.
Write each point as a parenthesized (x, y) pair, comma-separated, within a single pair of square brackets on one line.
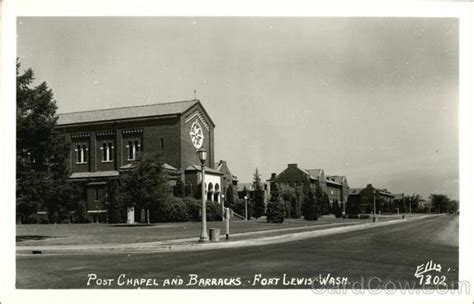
[(190, 244)]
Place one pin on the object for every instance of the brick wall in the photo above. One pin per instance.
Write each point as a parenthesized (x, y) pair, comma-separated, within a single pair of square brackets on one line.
[(188, 151)]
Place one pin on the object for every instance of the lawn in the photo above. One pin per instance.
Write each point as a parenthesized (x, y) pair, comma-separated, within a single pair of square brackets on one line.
[(71, 234)]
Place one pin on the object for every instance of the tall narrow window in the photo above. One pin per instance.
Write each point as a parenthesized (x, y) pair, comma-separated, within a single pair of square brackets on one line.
[(84, 153), (78, 154), (133, 148), (162, 146), (106, 152), (81, 154), (136, 147), (130, 150), (109, 151)]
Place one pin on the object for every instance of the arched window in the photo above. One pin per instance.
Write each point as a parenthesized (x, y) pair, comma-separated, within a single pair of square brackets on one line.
[(78, 154), (106, 152), (84, 153), (210, 189), (81, 154), (133, 148), (216, 193)]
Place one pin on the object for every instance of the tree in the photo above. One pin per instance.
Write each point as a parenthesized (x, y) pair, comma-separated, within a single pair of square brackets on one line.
[(115, 209), (313, 199), (453, 206), (440, 202), (230, 200), (145, 185), (412, 202), (258, 196), (287, 199), (336, 209), (325, 204), (178, 189), (40, 150), (275, 209)]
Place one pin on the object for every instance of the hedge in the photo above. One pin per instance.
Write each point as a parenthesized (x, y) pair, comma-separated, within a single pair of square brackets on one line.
[(193, 208), (172, 209)]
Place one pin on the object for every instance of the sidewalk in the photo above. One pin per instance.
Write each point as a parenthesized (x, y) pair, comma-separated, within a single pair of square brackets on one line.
[(256, 238)]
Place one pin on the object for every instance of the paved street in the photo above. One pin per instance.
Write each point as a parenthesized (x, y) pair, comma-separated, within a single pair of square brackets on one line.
[(385, 254)]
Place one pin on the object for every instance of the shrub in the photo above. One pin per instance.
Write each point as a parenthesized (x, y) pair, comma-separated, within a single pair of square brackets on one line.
[(193, 208), (275, 212), (171, 209), (325, 205), (213, 211), (178, 189), (37, 219), (81, 215), (311, 207), (364, 216), (336, 209), (353, 216)]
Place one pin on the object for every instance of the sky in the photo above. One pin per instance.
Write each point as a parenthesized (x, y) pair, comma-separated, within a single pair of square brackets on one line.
[(374, 99)]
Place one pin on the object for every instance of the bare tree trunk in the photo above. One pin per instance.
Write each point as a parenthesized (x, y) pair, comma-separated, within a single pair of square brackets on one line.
[(148, 216)]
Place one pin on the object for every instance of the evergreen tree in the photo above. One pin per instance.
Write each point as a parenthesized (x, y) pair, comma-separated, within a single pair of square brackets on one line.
[(275, 209), (230, 200), (178, 189), (258, 196), (325, 205), (313, 199)]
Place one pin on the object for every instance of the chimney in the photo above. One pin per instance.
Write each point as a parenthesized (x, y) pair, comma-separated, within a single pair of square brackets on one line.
[(292, 165)]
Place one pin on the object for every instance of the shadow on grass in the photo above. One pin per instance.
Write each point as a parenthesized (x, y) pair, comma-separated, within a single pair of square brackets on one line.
[(22, 238), (131, 225)]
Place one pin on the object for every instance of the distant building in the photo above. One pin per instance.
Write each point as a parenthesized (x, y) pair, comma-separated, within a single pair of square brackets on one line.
[(399, 202), (228, 179), (361, 200), (250, 188), (335, 186)]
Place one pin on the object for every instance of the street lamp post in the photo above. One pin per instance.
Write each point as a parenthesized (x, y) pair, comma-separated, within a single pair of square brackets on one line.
[(222, 205), (409, 205), (204, 237), (375, 218), (246, 198)]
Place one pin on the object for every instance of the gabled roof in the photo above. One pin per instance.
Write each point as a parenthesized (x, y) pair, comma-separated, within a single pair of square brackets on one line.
[(249, 186), (355, 191), (398, 196), (192, 168), (314, 173), (159, 109), (337, 178)]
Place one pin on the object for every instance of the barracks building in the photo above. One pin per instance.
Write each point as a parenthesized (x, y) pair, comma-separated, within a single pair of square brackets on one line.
[(336, 187), (104, 142)]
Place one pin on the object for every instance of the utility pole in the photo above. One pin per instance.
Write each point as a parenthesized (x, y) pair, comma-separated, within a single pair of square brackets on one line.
[(375, 218)]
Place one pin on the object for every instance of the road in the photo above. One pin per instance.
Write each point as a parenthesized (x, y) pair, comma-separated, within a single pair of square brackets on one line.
[(383, 257)]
